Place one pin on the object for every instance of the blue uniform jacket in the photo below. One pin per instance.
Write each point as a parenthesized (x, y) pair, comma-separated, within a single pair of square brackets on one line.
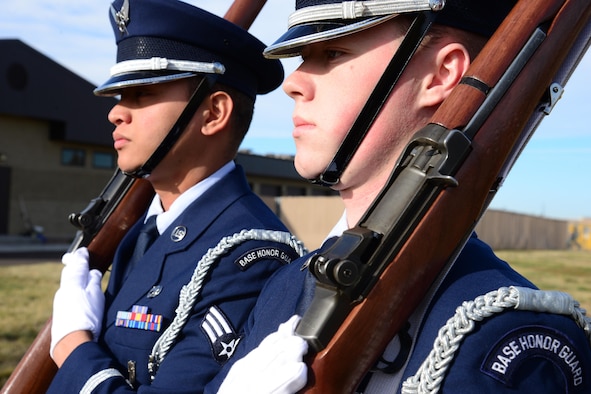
[(534, 352), (219, 315)]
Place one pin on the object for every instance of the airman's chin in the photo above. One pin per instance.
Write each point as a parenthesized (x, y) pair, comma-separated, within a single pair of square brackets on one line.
[(305, 170), (127, 168)]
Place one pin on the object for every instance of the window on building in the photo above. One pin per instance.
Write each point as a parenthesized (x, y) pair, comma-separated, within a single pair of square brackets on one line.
[(104, 160), (322, 191), (295, 191), (73, 157), (270, 190)]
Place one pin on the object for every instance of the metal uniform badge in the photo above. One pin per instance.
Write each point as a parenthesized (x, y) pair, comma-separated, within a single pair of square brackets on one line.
[(178, 233), (121, 17), (154, 291)]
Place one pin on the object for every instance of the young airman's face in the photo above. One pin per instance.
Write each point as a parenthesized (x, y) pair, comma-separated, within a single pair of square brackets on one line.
[(330, 87), (142, 118)]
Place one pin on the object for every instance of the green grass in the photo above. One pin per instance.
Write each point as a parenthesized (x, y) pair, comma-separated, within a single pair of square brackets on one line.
[(26, 297), (564, 270), (26, 293)]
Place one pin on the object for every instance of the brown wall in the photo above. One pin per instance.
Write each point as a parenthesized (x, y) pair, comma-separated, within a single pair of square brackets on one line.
[(507, 230), (43, 192), (311, 218)]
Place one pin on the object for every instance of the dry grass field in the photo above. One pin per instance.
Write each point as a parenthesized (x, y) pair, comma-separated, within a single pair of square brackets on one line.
[(26, 296), (26, 293), (565, 270)]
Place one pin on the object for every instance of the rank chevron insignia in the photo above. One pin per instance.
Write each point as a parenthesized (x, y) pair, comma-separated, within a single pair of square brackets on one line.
[(222, 337)]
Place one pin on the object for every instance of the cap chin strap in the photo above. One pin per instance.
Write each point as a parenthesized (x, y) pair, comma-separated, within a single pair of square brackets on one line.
[(202, 90), (415, 34)]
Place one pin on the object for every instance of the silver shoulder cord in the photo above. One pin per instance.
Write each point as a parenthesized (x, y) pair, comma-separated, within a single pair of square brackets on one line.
[(430, 375), (189, 293)]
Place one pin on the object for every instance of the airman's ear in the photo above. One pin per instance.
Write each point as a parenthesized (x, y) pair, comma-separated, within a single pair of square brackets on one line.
[(217, 114), (451, 62)]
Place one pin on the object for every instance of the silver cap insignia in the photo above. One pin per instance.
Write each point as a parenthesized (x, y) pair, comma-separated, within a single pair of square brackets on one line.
[(121, 17)]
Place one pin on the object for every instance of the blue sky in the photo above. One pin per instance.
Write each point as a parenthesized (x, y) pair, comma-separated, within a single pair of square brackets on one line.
[(550, 179)]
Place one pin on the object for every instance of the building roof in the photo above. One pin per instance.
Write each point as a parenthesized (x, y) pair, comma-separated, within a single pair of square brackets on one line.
[(34, 86)]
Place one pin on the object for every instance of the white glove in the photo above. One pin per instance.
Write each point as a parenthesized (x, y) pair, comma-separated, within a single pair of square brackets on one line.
[(274, 367), (79, 302)]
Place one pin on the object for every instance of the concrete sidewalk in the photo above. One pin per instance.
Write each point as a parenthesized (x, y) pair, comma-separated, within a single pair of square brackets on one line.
[(28, 247)]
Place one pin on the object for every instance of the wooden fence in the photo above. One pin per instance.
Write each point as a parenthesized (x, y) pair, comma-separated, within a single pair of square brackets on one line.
[(311, 219)]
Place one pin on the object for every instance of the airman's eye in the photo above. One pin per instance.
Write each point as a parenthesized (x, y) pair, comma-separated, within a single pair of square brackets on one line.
[(333, 54)]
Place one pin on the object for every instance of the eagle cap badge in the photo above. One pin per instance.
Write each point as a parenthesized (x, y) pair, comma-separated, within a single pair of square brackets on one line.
[(121, 17)]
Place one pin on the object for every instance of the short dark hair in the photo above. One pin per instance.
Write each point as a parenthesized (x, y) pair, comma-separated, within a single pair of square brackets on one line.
[(242, 113), (472, 41)]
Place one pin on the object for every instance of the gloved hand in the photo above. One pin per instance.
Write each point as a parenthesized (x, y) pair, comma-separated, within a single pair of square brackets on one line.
[(79, 302), (275, 367)]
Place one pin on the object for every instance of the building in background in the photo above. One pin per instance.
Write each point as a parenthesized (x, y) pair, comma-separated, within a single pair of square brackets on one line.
[(56, 149)]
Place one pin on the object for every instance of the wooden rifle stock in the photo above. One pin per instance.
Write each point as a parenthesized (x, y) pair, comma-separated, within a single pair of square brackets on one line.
[(36, 369), (244, 12), (448, 221)]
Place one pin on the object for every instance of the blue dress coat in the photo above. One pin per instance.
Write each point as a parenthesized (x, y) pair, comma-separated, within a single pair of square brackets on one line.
[(534, 352), (152, 288)]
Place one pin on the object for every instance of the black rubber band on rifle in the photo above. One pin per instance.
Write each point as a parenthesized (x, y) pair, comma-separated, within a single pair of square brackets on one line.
[(376, 100), (475, 83), (202, 90)]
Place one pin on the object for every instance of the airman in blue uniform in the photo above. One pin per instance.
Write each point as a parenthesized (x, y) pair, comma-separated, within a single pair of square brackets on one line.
[(173, 314), (513, 346)]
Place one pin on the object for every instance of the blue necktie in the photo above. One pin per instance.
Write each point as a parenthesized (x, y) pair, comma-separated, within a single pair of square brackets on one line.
[(146, 237)]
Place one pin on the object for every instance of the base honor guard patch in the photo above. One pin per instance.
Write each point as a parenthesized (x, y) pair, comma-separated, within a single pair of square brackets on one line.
[(264, 253), (222, 337), (534, 343), (139, 318)]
